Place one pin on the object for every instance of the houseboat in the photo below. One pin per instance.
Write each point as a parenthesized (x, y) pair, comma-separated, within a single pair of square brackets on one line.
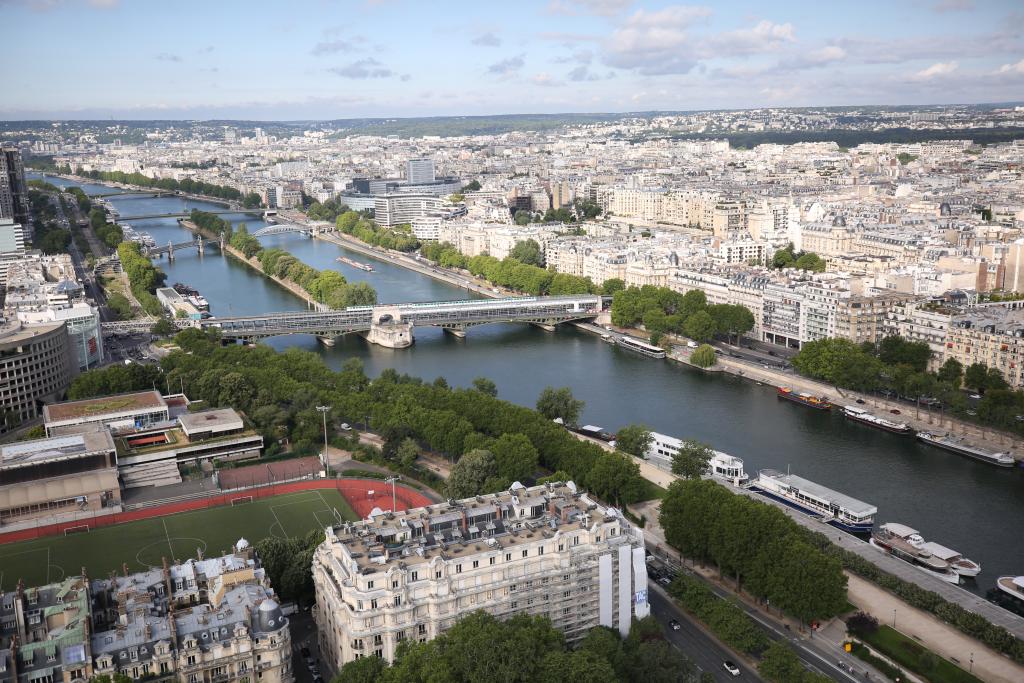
[(864, 417), (832, 507), (355, 264), (805, 399), (640, 346), (722, 466), (1012, 586), (954, 445), (902, 542)]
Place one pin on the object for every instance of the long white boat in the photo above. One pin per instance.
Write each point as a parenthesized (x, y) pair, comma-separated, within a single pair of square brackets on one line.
[(950, 443), (899, 540), (1011, 585), (860, 415), (640, 346), (832, 507), (722, 466)]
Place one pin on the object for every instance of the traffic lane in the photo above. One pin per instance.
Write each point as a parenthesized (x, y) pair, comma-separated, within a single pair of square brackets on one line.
[(693, 641)]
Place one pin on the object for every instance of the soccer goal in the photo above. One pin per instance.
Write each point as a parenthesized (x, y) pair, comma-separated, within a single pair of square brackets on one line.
[(338, 517), (241, 500), (79, 529)]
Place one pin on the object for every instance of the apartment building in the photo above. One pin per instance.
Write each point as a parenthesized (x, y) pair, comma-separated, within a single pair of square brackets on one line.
[(991, 336), (546, 550), (36, 367), (918, 320)]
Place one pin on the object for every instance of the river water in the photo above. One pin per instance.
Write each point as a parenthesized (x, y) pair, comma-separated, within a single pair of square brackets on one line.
[(972, 507)]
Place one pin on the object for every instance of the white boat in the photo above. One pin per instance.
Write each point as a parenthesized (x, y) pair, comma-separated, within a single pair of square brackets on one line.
[(722, 466), (860, 415), (1011, 585), (727, 467), (832, 507), (902, 542), (956, 445), (957, 562), (640, 346)]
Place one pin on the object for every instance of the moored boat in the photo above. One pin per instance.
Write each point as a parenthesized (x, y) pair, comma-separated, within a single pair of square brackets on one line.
[(1012, 586), (864, 417), (900, 541), (832, 507), (804, 399), (355, 264), (952, 444), (640, 346)]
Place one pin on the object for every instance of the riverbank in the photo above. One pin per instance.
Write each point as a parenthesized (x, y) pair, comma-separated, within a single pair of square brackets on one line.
[(255, 265)]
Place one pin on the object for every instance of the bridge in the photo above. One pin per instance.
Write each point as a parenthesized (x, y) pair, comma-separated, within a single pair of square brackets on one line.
[(280, 229), (182, 214), (136, 326), (170, 248), (145, 193), (391, 325)]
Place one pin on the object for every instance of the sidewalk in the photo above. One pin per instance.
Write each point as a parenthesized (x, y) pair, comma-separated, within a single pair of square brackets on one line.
[(937, 636)]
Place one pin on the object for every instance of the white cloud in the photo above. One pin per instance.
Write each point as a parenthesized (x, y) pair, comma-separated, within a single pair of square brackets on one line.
[(936, 70), (604, 8), (1015, 69), (487, 40), (544, 79), (507, 67), (656, 42), (363, 69), (765, 36)]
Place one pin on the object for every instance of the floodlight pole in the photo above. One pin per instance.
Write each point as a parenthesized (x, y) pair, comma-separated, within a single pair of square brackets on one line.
[(326, 459)]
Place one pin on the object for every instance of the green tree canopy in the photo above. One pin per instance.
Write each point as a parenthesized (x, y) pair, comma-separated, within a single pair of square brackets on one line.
[(634, 439), (691, 459), (528, 252), (559, 403), (704, 356)]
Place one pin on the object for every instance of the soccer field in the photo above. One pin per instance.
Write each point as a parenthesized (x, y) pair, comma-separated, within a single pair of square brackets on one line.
[(144, 543)]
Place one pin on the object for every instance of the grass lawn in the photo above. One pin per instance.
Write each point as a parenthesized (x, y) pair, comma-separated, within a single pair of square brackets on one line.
[(652, 491), (911, 655), (144, 543)]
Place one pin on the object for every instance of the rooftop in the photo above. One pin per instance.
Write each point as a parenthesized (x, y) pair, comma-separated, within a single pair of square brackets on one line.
[(92, 408), (32, 452)]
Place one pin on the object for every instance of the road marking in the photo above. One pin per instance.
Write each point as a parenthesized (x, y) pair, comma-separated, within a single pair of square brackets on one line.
[(170, 546)]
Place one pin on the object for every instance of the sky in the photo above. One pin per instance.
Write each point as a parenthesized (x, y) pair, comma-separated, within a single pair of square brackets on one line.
[(327, 59)]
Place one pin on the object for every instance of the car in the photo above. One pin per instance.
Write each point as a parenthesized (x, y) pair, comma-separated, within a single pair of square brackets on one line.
[(860, 401), (976, 397), (346, 427), (664, 581), (674, 625), (895, 411), (731, 668)]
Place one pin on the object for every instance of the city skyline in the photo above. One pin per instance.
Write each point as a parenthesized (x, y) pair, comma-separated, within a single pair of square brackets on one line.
[(327, 60)]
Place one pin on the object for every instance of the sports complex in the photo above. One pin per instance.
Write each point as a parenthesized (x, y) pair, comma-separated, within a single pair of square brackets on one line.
[(144, 537)]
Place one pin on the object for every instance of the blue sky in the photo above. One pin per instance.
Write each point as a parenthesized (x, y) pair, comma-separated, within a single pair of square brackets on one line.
[(338, 59)]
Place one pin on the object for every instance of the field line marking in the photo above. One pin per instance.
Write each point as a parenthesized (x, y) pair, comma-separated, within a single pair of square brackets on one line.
[(296, 502), (274, 512), (47, 564), (168, 537)]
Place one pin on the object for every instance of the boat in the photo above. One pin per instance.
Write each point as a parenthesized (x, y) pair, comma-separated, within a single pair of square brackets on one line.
[(956, 445), (594, 432), (864, 417), (832, 507), (640, 346), (192, 295), (722, 466), (727, 467), (355, 264), (804, 399), (1012, 586), (608, 338), (900, 541)]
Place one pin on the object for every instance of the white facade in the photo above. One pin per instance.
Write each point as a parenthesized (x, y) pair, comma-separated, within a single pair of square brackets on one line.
[(547, 550)]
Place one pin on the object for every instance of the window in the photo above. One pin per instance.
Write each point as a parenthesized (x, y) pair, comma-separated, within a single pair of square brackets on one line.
[(437, 574), (476, 564), (525, 552), (515, 604), (508, 557), (394, 583), (373, 604), (565, 594), (492, 561), (378, 653), (512, 588), (369, 584), (458, 569), (378, 639), (422, 629), (398, 601), (193, 678), (415, 576), (561, 547), (540, 550)]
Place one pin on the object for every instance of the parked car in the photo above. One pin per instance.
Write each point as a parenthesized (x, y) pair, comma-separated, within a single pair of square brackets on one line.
[(731, 668), (675, 625), (895, 411)]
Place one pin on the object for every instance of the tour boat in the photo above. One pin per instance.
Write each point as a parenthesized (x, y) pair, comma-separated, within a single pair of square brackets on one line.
[(906, 544), (727, 467), (805, 399), (955, 445), (355, 264), (1011, 585), (864, 417), (832, 507), (640, 346)]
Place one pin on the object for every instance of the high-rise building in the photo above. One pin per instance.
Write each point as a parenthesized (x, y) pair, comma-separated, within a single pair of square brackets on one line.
[(12, 244), (37, 366), (13, 190), (546, 550), (419, 171)]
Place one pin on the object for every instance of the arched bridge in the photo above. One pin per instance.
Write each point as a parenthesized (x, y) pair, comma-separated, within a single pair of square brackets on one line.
[(392, 325), (280, 229)]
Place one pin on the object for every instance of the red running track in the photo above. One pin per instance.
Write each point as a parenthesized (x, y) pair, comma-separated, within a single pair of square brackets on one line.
[(355, 491)]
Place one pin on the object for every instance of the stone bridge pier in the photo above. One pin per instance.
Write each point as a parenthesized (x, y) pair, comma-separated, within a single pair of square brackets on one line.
[(387, 329)]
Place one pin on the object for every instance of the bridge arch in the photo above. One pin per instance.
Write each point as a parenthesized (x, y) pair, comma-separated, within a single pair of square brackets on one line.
[(282, 228)]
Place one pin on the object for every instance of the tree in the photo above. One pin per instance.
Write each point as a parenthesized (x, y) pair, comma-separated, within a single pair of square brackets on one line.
[(471, 186), (485, 386), (691, 459), (163, 328), (783, 258), (861, 624), (528, 252), (704, 356), (559, 403), (780, 664), (362, 670), (515, 456), (614, 477), (951, 373), (976, 376), (700, 326), (119, 306), (470, 474), (810, 261), (407, 452), (732, 319), (634, 439), (612, 285), (576, 667)]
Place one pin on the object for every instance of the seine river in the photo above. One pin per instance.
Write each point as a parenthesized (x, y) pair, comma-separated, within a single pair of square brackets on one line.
[(974, 508)]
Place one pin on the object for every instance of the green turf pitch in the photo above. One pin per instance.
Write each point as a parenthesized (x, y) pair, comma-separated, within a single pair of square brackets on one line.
[(144, 543)]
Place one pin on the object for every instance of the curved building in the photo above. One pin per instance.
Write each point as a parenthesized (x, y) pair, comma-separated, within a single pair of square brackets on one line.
[(36, 367)]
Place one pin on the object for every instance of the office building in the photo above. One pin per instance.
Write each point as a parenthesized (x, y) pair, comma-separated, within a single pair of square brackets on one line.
[(57, 475), (419, 171), (547, 550), (12, 245), (137, 410), (14, 202), (36, 367)]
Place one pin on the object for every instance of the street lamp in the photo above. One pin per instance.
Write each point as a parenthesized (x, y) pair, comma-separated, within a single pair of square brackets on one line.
[(971, 670), (392, 480), (326, 459)]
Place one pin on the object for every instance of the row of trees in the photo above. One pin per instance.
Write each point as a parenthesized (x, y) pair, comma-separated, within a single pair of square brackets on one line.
[(399, 237), (84, 203), (49, 236), (531, 279), (662, 310), (143, 276), (288, 563), (110, 234), (756, 544), (250, 200), (326, 286), (279, 393), (326, 211), (529, 649)]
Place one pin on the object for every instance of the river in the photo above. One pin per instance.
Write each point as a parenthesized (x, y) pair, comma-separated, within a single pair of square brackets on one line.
[(958, 503)]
